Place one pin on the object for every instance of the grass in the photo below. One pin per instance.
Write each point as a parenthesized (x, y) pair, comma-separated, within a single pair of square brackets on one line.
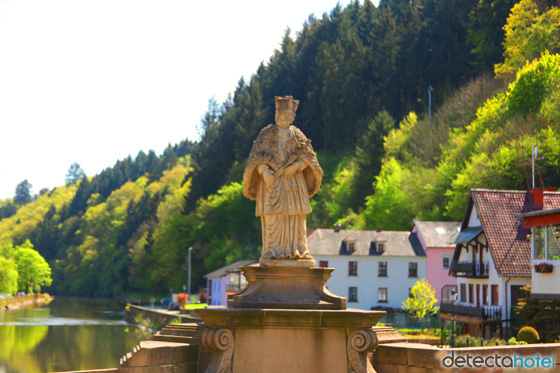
[(195, 306)]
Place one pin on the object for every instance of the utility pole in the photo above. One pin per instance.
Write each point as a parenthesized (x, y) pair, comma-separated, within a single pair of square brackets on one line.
[(534, 154)]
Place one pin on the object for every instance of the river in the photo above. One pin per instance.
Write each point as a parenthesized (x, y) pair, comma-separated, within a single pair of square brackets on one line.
[(70, 333)]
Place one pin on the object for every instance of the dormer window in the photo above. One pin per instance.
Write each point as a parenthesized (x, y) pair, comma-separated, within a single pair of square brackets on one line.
[(350, 244), (379, 244)]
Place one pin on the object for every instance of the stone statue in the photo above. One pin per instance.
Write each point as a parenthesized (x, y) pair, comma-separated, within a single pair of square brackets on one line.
[(282, 173)]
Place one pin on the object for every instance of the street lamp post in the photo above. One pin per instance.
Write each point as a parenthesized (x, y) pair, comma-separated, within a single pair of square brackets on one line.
[(189, 286)]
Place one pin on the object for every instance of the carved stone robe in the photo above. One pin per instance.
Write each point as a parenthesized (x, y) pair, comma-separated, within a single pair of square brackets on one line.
[(283, 206)]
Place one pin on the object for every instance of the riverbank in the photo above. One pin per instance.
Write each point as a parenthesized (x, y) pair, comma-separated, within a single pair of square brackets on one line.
[(154, 318), (25, 301)]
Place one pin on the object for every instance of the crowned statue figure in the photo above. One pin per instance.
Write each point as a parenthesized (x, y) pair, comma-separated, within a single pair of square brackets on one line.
[(282, 173)]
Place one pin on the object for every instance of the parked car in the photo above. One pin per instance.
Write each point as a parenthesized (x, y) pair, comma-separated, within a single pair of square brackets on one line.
[(173, 306), (165, 302)]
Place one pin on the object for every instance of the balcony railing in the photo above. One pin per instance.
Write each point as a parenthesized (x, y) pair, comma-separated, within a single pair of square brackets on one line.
[(470, 269), (484, 312)]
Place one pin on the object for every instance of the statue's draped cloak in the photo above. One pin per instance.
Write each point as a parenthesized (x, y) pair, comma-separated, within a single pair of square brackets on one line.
[(283, 205)]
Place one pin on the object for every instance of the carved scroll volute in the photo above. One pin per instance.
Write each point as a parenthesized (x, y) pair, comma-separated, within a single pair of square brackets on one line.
[(359, 344), (220, 342)]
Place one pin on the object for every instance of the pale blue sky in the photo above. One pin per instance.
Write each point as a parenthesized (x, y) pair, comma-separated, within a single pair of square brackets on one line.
[(94, 81)]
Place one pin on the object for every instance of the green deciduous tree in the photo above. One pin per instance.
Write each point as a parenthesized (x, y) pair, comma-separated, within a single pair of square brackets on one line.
[(422, 301), (8, 275), (33, 270), (529, 33)]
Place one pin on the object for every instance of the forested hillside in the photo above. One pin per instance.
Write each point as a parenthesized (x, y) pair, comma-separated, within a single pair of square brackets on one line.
[(362, 75)]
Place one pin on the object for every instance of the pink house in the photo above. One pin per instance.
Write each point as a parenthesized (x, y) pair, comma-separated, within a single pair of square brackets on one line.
[(436, 239)]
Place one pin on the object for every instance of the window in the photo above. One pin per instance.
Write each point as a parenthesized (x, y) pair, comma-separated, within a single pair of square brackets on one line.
[(484, 294), (382, 269), (539, 242), (495, 295), (382, 295), (471, 293), (463, 293), (380, 247), (410, 292), (351, 246), (546, 245), (323, 264), (445, 261), (412, 269), (552, 243), (352, 268), (352, 294)]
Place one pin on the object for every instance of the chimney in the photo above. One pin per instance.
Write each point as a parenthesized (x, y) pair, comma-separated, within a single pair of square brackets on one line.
[(537, 197), (337, 228), (378, 229)]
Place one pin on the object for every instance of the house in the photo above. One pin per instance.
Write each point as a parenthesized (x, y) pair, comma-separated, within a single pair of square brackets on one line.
[(436, 240), (544, 223), (373, 269), (492, 260), (224, 281)]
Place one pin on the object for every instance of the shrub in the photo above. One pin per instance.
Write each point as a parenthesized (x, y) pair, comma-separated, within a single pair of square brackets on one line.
[(514, 341), (528, 334)]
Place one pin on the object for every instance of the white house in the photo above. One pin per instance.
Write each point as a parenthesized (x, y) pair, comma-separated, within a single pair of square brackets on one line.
[(224, 281), (492, 261), (373, 269), (545, 244)]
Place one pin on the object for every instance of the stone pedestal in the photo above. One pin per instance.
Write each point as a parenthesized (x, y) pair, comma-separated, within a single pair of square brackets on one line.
[(287, 288), (283, 340), (287, 321)]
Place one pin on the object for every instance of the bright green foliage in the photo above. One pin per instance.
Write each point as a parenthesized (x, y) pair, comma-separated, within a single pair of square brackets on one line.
[(8, 275), (32, 268), (391, 206), (19, 226), (422, 301), (528, 334), (528, 34), (535, 81)]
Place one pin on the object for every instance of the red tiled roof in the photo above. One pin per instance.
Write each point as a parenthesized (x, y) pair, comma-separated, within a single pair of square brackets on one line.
[(507, 240)]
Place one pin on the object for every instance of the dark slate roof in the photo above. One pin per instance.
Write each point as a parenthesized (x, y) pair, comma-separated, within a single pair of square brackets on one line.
[(507, 239), (329, 242), (232, 267), (438, 233)]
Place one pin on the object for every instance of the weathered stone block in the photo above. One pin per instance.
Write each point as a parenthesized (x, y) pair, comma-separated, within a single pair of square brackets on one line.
[(392, 354)]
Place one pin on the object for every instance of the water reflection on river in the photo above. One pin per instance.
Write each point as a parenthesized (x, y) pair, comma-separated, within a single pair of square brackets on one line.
[(68, 334)]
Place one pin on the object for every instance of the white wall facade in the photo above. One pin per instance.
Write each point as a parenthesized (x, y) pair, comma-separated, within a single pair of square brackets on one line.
[(504, 282), (368, 282), (219, 290)]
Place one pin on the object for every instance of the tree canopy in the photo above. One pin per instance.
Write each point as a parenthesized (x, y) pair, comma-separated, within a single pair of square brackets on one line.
[(33, 270)]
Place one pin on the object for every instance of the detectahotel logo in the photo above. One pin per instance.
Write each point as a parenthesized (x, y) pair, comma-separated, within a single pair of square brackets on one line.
[(455, 359)]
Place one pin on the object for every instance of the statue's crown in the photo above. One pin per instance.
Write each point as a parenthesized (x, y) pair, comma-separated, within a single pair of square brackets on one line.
[(286, 103)]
